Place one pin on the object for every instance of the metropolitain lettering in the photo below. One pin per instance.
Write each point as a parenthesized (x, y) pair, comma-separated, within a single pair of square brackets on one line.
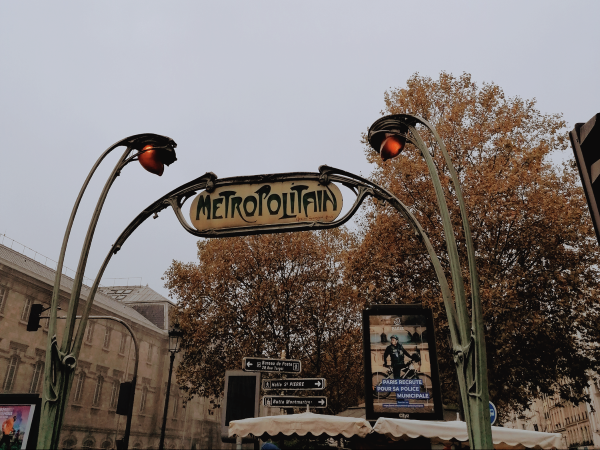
[(282, 202)]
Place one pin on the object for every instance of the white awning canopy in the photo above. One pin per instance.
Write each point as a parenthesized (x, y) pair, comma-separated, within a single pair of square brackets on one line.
[(300, 424), (444, 432)]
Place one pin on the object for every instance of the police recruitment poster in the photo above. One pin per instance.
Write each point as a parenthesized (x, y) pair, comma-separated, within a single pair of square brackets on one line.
[(401, 375), (16, 423)]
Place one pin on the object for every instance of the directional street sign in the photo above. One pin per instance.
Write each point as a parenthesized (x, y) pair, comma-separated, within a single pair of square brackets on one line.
[(271, 365), (288, 401), (295, 383)]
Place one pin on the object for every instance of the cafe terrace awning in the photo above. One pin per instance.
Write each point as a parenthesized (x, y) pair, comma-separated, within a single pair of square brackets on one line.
[(300, 424), (444, 432)]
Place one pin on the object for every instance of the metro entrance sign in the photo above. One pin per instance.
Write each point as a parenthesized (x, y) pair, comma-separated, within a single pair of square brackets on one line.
[(295, 383), (271, 365), (289, 401), (265, 203), (235, 210)]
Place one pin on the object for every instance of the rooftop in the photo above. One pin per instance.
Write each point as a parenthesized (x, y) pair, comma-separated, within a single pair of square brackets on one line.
[(137, 294), (35, 269)]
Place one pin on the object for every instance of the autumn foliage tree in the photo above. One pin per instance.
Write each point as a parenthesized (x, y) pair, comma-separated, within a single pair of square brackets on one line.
[(261, 295), (537, 256)]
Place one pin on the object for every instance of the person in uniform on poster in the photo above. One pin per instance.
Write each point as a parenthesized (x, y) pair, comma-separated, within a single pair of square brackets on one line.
[(396, 353)]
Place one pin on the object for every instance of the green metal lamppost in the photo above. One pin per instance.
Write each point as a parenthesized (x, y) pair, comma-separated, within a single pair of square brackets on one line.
[(153, 152), (388, 136)]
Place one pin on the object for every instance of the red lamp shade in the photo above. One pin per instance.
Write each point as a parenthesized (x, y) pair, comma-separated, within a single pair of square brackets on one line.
[(391, 146), (150, 160)]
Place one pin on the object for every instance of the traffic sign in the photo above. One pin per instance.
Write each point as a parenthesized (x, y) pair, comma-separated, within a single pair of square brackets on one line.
[(295, 383), (493, 413), (271, 365), (288, 401)]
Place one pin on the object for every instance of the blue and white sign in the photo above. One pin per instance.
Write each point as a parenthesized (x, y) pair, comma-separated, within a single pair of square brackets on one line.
[(493, 413)]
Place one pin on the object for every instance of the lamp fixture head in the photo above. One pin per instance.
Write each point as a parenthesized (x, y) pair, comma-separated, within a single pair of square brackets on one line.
[(154, 152), (387, 136), (175, 335)]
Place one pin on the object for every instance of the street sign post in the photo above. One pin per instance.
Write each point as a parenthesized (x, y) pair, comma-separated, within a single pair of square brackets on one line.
[(295, 383), (271, 365), (289, 401)]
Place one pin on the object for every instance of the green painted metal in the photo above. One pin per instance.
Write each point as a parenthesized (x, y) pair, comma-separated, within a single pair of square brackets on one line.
[(61, 361), (468, 340)]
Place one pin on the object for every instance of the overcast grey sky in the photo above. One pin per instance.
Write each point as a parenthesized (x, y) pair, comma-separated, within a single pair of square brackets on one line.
[(243, 87)]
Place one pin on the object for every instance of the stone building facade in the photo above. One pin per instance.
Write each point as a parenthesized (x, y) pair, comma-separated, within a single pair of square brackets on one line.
[(578, 424), (106, 360)]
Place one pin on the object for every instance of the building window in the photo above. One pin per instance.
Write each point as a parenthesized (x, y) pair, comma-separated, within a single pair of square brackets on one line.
[(3, 295), (106, 445), (26, 309), (149, 359), (38, 374), (90, 332), (175, 406), (106, 342), (98, 391), (69, 443), (79, 387), (88, 444), (122, 343), (114, 394), (143, 399), (11, 373)]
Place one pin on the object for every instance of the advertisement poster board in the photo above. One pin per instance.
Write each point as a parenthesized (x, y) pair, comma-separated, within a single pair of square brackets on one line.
[(19, 418), (401, 375)]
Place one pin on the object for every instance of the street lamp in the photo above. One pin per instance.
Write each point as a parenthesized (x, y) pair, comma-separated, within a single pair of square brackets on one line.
[(388, 136), (175, 335), (153, 151)]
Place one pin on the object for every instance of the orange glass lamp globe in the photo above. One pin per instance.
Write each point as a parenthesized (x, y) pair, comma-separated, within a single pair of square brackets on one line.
[(391, 146), (150, 160)]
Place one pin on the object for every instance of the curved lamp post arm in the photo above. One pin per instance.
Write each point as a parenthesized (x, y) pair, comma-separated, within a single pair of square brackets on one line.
[(476, 308), (85, 250), (59, 265), (57, 377), (469, 351), (65, 377), (455, 270), (60, 363)]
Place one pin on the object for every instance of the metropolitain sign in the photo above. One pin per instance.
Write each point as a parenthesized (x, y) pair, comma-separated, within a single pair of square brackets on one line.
[(266, 203)]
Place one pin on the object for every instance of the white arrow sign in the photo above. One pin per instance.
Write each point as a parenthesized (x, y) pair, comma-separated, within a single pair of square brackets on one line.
[(291, 401), (271, 365), (318, 384)]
